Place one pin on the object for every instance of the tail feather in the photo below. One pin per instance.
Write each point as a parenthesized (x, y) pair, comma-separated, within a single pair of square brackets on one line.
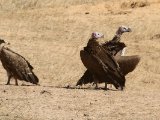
[(85, 79), (28, 77), (32, 78)]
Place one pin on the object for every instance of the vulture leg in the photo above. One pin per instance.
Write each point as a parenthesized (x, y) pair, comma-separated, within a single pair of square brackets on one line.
[(16, 81), (96, 85), (9, 78), (95, 81), (105, 86)]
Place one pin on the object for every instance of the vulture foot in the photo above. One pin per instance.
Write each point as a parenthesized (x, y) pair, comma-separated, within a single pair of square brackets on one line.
[(7, 83)]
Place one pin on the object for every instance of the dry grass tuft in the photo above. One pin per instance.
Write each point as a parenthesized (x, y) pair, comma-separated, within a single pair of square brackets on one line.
[(156, 36), (134, 4)]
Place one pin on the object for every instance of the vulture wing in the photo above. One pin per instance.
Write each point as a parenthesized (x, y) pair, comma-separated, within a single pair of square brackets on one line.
[(127, 63), (18, 66)]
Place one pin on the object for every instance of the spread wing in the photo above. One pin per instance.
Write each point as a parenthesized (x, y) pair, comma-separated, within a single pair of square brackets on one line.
[(18, 66), (127, 63)]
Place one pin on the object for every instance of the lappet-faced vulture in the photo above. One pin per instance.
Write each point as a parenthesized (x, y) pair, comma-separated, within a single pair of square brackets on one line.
[(127, 63), (115, 45), (16, 66), (101, 63)]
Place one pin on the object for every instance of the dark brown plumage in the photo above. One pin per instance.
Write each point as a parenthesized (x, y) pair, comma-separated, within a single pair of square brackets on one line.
[(126, 63), (101, 64), (17, 66), (115, 47)]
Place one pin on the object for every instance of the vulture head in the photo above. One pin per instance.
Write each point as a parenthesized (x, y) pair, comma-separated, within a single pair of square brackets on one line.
[(96, 35), (2, 41), (123, 29)]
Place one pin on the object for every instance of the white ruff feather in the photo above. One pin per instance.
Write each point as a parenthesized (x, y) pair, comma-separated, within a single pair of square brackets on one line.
[(123, 51)]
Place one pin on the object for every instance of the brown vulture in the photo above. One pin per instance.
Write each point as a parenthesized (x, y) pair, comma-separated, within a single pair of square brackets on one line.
[(16, 66), (115, 45), (126, 63), (116, 48), (101, 64)]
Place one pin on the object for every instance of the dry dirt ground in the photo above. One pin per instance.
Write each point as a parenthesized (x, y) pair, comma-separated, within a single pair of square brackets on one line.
[(50, 35)]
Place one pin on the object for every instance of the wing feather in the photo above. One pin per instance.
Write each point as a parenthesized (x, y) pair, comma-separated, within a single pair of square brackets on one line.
[(128, 63)]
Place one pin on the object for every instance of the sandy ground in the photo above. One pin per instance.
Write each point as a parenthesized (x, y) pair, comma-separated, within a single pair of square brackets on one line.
[(50, 35)]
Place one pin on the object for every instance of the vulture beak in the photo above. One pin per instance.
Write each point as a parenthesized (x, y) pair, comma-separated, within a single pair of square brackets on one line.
[(129, 30), (2, 41), (7, 43)]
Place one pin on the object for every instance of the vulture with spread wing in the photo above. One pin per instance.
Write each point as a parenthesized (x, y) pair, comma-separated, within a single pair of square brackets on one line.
[(16, 66), (101, 64), (127, 63)]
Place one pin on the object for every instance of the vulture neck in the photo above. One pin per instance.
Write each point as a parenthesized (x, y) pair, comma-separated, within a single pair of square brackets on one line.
[(2, 46), (92, 41), (116, 38), (91, 45)]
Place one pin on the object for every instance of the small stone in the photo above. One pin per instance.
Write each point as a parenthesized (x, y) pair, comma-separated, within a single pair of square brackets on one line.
[(59, 107), (91, 103), (86, 13), (86, 115), (44, 91), (67, 86)]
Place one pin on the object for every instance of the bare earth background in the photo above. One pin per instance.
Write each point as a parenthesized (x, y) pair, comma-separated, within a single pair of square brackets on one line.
[(50, 34)]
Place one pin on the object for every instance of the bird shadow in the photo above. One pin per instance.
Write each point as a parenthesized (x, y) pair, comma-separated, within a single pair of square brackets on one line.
[(49, 86), (30, 85), (69, 87), (87, 88), (18, 85)]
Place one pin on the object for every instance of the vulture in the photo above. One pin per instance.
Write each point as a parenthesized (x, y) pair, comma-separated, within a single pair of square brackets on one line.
[(17, 67), (126, 63), (115, 45), (101, 64)]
